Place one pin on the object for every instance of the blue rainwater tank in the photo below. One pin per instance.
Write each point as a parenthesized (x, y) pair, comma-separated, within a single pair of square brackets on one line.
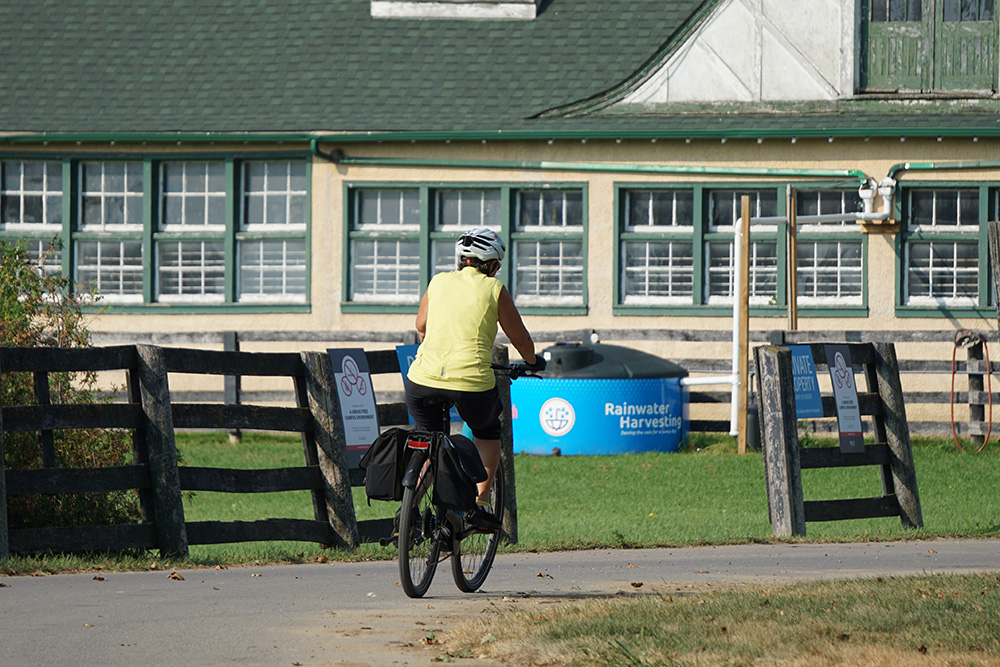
[(600, 399)]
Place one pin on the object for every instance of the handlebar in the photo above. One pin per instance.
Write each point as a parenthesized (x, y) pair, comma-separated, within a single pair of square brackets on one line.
[(514, 371)]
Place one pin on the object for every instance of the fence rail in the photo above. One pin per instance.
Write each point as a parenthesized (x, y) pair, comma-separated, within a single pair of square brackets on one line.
[(971, 364), (152, 417)]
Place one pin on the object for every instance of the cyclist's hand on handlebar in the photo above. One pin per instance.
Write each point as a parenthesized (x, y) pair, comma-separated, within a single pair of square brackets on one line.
[(539, 364)]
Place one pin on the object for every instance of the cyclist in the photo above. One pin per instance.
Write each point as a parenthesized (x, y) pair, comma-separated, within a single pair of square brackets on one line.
[(457, 324)]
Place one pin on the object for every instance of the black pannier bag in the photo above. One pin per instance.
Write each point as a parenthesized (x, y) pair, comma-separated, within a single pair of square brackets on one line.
[(458, 470), (384, 465)]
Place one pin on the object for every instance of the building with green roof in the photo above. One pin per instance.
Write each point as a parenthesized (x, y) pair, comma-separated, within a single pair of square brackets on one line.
[(306, 165)]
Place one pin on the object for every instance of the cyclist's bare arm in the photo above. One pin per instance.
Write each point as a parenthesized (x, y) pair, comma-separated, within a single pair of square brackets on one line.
[(421, 323), (513, 326)]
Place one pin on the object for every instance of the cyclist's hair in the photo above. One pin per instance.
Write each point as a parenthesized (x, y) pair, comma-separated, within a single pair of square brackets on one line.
[(483, 266)]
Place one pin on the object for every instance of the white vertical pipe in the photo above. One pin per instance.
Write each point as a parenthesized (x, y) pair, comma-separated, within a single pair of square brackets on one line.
[(737, 307)]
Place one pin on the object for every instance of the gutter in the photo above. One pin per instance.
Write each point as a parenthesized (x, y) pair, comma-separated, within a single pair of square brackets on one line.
[(942, 166), (338, 157)]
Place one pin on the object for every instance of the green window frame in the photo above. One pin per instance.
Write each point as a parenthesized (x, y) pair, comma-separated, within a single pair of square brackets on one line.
[(929, 45), (399, 235), (942, 249), (212, 232), (676, 243)]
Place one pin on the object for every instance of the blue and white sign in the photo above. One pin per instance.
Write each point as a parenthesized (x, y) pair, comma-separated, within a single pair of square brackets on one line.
[(808, 403), (598, 416)]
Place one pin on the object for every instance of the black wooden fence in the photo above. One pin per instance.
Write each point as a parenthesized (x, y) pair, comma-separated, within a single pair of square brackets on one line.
[(689, 345), (152, 418)]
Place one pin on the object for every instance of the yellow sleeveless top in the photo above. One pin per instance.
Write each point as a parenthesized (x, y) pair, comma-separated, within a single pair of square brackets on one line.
[(462, 317)]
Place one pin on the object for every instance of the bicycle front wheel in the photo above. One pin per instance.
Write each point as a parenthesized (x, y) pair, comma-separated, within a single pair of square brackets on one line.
[(472, 557), (419, 546)]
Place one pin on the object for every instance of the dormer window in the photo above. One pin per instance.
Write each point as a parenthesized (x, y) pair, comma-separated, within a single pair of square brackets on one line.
[(929, 46), (455, 9)]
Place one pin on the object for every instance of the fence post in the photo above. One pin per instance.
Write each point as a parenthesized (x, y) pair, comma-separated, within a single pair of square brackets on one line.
[(904, 475), (501, 356), (233, 383), (168, 507), (332, 448), (977, 411), (780, 441), (4, 529)]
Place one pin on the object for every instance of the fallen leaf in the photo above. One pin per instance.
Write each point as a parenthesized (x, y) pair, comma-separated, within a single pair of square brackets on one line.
[(632, 565), (543, 575), (319, 559), (931, 551), (255, 574), (98, 577), (220, 567), (175, 576), (922, 649), (636, 584)]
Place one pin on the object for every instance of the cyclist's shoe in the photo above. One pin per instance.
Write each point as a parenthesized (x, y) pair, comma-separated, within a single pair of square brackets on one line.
[(483, 519)]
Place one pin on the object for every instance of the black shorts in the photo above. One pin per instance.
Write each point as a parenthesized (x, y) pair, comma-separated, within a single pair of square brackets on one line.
[(479, 409)]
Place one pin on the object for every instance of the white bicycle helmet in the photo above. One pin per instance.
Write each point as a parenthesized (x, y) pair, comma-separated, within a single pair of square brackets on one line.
[(481, 243)]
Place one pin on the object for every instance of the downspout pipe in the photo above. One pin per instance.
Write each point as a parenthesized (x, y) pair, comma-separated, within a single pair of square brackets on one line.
[(338, 157)]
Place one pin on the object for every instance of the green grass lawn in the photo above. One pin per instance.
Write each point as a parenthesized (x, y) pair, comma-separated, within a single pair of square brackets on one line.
[(706, 494)]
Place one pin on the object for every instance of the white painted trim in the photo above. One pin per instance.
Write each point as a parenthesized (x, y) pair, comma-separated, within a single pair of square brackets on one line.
[(454, 9)]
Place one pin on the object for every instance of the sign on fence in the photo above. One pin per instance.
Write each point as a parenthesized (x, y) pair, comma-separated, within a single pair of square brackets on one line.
[(808, 403), (357, 399), (845, 394)]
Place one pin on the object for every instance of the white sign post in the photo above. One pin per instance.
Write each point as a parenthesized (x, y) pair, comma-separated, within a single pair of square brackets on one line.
[(357, 401), (845, 394)]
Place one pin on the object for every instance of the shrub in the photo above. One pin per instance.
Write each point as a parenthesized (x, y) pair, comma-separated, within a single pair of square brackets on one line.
[(40, 310)]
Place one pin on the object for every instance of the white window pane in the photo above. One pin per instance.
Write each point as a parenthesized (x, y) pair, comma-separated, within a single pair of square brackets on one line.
[(272, 270), (385, 271), (763, 272), (111, 195), (459, 210), (385, 208), (112, 269), (191, 270), (726, 207), (30, 194), (193, 196), (657, 273), (548, 272), (443, 256), (273, 193), (942, 273), (549, 209), (829, 273), (651, 209)]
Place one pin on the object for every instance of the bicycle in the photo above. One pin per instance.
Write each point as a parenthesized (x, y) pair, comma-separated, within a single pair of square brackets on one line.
[(428, 533)]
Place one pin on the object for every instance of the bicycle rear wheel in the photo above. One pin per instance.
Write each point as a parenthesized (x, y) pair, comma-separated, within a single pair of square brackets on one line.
[(419, 546), (472, 558)]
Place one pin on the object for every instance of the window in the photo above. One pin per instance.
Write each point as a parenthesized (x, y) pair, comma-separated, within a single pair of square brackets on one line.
[(657, 264), (943, 245), (271, 240), (547, 249), (109, 247), (31, 208), (145, 231), (400, 236), (926, 45), (676, 249), (830, 256)]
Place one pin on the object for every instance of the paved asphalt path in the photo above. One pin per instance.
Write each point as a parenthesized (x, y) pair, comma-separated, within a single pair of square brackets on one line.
[(350, 614)]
